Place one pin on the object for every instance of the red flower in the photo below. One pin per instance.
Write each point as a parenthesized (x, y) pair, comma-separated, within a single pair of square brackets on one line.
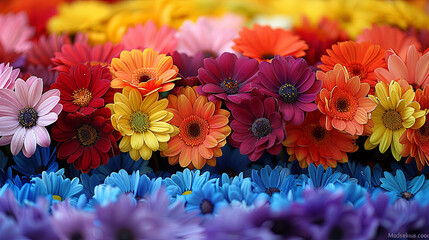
[(86, 141), (84, 88)]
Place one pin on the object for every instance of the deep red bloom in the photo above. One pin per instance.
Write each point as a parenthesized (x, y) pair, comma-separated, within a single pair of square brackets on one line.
[(86, 141), (84, 88)]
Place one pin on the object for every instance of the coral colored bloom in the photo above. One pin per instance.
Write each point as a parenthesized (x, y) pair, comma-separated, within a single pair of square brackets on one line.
[(25, 113), (203, 128), (396, 111), (145, 71), (143, 123), (312, 143), (257, 126), (414, 69), (140, 37), (292, 83), (343, 101), (389, 37), (8, 76), (227, 78), (87, 141), (44, 49), (84, 88), (80, 52), (263, 43), (360, 59)]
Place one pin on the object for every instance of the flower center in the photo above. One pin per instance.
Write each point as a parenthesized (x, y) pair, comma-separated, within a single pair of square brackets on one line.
[(261, 127), (187, 192), (193, 130), (422, 133), (27, 117), (407, 195), (270, 191), (392, 120), (267, 56), (86, 135), (82, 97), (356, 69), (209, 54), (206, 207), (76, 236), (124, 234), (139, 121), (288, 92), (144, 75), (56, 197), (230, 86), (319, 134), (342, 105)]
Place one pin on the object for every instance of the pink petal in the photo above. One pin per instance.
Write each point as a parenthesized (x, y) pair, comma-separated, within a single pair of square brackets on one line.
[(29, 143), (17, 141), (21, 90), (46, 95), (8, 125), (47, 119), (397, 68), (5, 140), (35, 92), (10, 96), (46, 106), (42, 136)]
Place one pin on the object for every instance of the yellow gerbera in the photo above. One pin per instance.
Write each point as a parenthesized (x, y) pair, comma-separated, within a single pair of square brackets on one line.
[(142, 122), (395, 112)]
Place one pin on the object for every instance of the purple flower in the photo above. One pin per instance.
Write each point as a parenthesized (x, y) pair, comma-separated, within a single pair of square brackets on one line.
[(292, 83), (71, 223), (188, 69), (227, 78)]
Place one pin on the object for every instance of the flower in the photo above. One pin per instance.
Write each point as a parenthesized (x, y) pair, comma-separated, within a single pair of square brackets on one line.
[(257, 126), (125, 162), (395, 112), (360, 59), (45, 73), (319, 178), (206, 200), (343, 101), (263, 43), (125, 182), (83, 88), (44, 49), (146, 71), (292, 83), (8, 76), (142, 123), (25, 113), (272, 181), (162, 40), (87, 141), (227, 78), (414, 69), (42, 160), (56, 187), (182, 184), (188, 69), (71, 223), (389, 37), (310, 142), (400, 187), (81, 52), (203, 128)]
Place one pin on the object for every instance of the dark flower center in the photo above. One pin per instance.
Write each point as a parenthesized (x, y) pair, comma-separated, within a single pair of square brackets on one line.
[(336, 233), (407, 195), (27, 117), (342, 105), (288, 92), (206, 207), (261, 127), (267, 56), (423, 133), (139, 121), (82, 97), (318, 133), (392, 119), (9, 213), (87, 135), (193, 130), (230, 86), (270, 191), (356, 70), (282, 227), (231, 172), (144, 75), (40, 169), (76, 236), (209, 54), (124, 234), (319, 221), (144, 78)]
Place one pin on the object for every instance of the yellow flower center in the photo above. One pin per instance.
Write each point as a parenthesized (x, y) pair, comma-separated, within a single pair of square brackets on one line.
[(87, 135), (392, 120), (187, 192), (139, 121), (56, 197), (82, 97)]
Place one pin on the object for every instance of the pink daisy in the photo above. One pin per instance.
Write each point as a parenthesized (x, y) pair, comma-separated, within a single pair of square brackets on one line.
[(24, 114), (44, 49), (149, 36), (8, 76)]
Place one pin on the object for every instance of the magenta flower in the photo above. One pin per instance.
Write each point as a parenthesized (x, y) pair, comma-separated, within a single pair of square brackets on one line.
[(24, 114), (8, 76), (292, 83), (257, 126), (188, 69), (227, 78)]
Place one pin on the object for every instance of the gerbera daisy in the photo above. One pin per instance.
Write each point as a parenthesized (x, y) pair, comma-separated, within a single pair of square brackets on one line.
[(343, 101), (389, 37), (227, 78), (44, 49), (80, 52), (140, 37), (146, 71), (310, 142), (8, 76), (25, 113), (360, 59), (45, 73), (292, 83), (83, 88), (143, 123), (87, 141), (203, 128), (188, 69), (415, 142), (263, 43), (414, 69), (396, 111), (257, 126)]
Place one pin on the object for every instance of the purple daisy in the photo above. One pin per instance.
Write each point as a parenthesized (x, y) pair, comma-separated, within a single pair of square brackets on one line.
[(71, 223), (188, 70), (227, 78), (292, 82)]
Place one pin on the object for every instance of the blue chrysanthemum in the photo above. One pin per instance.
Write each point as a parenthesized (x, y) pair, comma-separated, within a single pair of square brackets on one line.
[(182, 184), (125, 162), (147, 187), (105, 194), (42, 160), (127, 183), (56, 187), (357, 171), (319, 178), (270, 181), (236, 190), (206, 200), (401, 188)]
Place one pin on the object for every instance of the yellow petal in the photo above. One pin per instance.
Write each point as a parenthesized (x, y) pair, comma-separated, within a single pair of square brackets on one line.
[(125, 145), (135, 100), (145, 152), (148, 101), (137, 140), (158, 106), (381, 91), (134, 154), (154, 117), (159, 127), (121, 109), (385, 141), (151, 140), (376, 135), (409, 122), (162, 137), (407, 112)]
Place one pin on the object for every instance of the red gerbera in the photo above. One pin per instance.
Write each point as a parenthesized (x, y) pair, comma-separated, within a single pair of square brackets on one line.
[(84, 88), (86, 141)]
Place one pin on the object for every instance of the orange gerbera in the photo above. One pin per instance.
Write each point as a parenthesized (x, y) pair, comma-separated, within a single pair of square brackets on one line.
[(203, 128), (263, 43), (146, 71), (360, 59), (310, 142), (343, 101), (415, 142)]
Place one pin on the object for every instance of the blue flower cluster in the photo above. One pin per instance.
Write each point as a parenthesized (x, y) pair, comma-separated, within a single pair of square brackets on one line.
[(125, 199)]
